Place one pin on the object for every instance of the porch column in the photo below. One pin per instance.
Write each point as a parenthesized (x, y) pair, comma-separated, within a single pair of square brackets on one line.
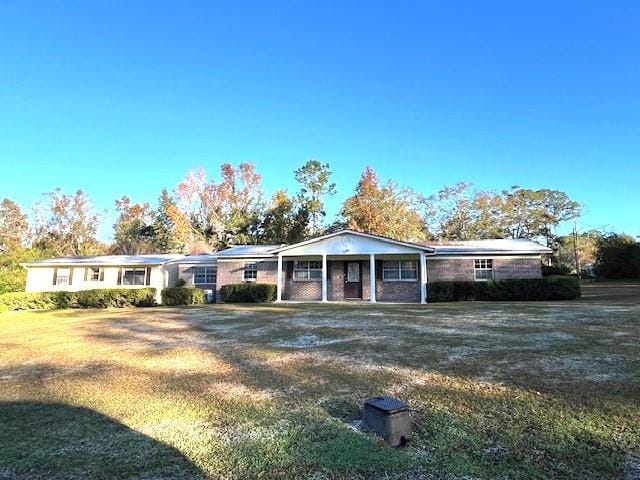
[(372, 278), (324, 277), (423, 278), (279, 276)]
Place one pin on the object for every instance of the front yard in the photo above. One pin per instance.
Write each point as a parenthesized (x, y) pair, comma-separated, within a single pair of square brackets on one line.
[(522, 390)]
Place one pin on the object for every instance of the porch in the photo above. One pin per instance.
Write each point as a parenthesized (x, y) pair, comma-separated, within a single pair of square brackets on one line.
[(352, 277)]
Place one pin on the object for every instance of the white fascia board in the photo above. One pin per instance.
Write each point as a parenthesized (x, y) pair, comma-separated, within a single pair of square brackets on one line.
[(353, 233), (484, 255), (248, 258)]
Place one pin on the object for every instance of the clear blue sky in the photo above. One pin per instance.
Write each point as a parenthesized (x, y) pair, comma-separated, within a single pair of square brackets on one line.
[(122, 97)]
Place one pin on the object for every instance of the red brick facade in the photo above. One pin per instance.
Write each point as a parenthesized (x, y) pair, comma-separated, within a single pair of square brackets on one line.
[(233, 272), (462, 269), (438, 270)]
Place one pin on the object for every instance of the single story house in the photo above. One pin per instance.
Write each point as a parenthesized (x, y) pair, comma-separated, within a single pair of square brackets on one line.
[(345, 265)]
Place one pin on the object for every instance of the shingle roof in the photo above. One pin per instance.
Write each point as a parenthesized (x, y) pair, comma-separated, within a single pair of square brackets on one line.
[(203, 258), (497, 246), (156, 259)]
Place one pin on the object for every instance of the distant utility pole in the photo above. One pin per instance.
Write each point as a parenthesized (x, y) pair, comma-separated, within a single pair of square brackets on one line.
[(575, 249)]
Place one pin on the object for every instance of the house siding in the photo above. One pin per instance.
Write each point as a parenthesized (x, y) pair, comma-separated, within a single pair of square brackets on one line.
[(233, 272), (520, 267), (450, 270), (397, 291)]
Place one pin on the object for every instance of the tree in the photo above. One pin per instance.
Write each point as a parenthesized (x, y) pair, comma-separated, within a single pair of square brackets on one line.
[(585, 244), (285, 221), (383, 210), (617, 256), (224, 212), (14, 226), (133, 231), (67, 225), (460, 213), (165, 236), (537, 213), (313, 178)]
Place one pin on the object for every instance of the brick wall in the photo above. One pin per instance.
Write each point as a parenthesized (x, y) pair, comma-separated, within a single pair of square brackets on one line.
[(397, 291), (233, 272), (450, 270), (524, 267), (462, 269)]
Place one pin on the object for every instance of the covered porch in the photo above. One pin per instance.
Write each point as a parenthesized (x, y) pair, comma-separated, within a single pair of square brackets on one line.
[(352, 266)]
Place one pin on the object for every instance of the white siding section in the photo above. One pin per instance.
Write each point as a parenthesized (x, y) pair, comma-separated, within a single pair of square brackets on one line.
[(40, 279)]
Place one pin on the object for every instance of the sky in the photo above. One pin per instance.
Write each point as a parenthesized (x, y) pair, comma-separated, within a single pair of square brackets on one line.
[(124, 97)]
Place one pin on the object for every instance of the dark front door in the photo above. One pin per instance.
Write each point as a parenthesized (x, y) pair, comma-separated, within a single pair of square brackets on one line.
[(352, 280)]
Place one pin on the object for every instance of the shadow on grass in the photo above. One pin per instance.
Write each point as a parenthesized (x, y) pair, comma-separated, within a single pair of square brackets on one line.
[(55, 441)]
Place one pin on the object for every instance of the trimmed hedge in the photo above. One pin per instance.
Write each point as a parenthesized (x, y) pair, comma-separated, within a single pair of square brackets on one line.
[(248, 292), (531, 289), (98, 298), (182, 296)]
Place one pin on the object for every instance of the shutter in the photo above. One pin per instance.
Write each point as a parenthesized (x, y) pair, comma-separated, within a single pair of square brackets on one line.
[(70, 275), (120, 276), (102, 274), (55, 276), (86, 273), (148, 276), (378, 269), (289, 270)]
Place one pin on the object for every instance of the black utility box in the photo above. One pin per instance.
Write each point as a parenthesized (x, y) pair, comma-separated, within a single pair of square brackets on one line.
[(389, 418)]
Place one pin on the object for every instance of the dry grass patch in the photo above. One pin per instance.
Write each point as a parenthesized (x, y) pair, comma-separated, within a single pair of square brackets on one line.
[(500, 391)]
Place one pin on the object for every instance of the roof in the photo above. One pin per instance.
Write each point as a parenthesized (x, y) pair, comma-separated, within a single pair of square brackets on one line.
[(502, 246), (361, 234), (248, 251), (203, 258), (156, 259)]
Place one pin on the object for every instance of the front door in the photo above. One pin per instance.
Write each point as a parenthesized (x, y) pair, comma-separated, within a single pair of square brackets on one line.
[(352, 280)]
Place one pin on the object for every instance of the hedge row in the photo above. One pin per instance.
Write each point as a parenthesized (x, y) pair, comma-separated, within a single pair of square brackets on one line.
[(182, 296), (548, 288), (98, 298), (248, 292)]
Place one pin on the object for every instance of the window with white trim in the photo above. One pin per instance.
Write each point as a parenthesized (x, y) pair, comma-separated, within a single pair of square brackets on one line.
[(483, 268), (134, 276), (94, 274), (399, 270), (204, 275), (250, 271), (307, 270), (62, 276)]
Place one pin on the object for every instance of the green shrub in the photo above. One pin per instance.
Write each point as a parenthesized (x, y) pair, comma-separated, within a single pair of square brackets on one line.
[(182, 296), (180, 282), (248, 292), (98, 298), (530, 289)]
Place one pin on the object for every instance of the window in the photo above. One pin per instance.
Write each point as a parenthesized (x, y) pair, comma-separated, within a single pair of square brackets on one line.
[(307, 270), (250, 271), (204, 275), (94, 274), (134, 276), (399, 270), (483, 269), (61, 276)]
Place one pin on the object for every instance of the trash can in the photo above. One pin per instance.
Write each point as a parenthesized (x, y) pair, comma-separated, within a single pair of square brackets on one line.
[(209, 296), (389, 418)]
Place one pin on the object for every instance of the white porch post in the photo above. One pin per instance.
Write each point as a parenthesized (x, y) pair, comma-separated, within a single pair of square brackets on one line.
[(372, 278), (324, 277), (279, 276), (423, 278)]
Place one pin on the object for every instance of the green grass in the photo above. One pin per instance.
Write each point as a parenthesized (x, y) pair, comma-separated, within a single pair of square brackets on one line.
[(522, 390)]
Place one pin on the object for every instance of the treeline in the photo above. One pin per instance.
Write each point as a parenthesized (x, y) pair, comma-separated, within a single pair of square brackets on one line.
[(202, 214)]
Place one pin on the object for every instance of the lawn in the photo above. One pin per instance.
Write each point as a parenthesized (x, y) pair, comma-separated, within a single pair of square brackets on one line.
[(500, 390)]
